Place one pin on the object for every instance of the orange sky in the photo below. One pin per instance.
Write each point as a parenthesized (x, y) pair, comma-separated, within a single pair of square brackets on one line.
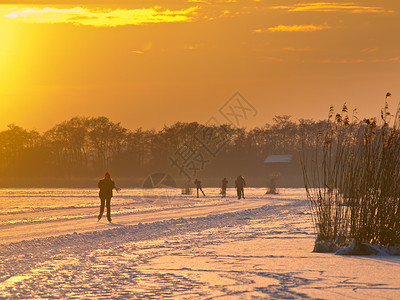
[(150, 63)]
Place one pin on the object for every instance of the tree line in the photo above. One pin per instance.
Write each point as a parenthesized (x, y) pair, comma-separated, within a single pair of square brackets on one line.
[(86, 147)]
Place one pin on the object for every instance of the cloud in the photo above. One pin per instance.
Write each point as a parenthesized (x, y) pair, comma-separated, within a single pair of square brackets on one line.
[(272, 58), (359, 60), (294, 49), (101, 17), (137, 51), (370, 50), (212, 2), (294, 28), (333, 7), (191, 47)]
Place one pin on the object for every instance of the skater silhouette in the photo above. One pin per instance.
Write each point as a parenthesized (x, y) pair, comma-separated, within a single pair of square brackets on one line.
[(198, 186), (240, 184), (106, 186), (223, 188)]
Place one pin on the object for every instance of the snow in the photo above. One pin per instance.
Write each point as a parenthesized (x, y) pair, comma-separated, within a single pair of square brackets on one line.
[(168, 245), (278, 159)]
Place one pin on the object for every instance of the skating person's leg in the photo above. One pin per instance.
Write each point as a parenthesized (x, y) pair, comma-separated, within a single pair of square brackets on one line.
[(197, 192), (238, 193), (102, 203), (109, 209), (202, 192)]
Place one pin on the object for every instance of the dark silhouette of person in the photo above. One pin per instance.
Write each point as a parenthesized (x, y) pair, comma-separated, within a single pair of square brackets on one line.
[(198, 186), (106, 186), (240, 184), (223, 188)]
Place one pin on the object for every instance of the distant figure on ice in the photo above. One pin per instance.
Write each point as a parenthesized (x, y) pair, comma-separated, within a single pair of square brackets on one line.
[(106, 186), (198, 186), (186, 190), (240, 184), (223, 188)]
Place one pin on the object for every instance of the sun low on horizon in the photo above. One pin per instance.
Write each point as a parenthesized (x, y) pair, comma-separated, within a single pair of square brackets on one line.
[(150, 63)]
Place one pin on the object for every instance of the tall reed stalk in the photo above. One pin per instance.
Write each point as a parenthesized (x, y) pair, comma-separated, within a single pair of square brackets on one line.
[(352, 180)]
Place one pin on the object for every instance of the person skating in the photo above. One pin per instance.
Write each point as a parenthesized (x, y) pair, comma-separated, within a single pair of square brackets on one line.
[(240, 183), (106, 187), (198, 186), (223, 188)]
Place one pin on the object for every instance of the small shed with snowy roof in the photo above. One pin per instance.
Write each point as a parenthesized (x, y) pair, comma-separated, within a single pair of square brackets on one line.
[(277, 159), (277, 166)]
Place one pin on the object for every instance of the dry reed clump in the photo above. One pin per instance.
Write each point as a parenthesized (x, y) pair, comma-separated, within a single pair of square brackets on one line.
[(352, 180)]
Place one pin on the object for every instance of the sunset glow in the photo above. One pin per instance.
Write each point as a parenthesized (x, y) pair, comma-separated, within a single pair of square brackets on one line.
[(150, 63), (295, 28), (334, 7), (103, 17)]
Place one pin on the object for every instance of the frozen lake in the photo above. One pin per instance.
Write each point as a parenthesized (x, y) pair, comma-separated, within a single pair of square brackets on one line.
[(163, 244), (19, 206)]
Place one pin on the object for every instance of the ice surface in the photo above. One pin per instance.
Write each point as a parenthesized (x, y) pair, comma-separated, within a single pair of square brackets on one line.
[(177, 247)]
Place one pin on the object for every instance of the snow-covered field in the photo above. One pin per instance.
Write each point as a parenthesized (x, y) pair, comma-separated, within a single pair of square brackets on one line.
[(162, 244)]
